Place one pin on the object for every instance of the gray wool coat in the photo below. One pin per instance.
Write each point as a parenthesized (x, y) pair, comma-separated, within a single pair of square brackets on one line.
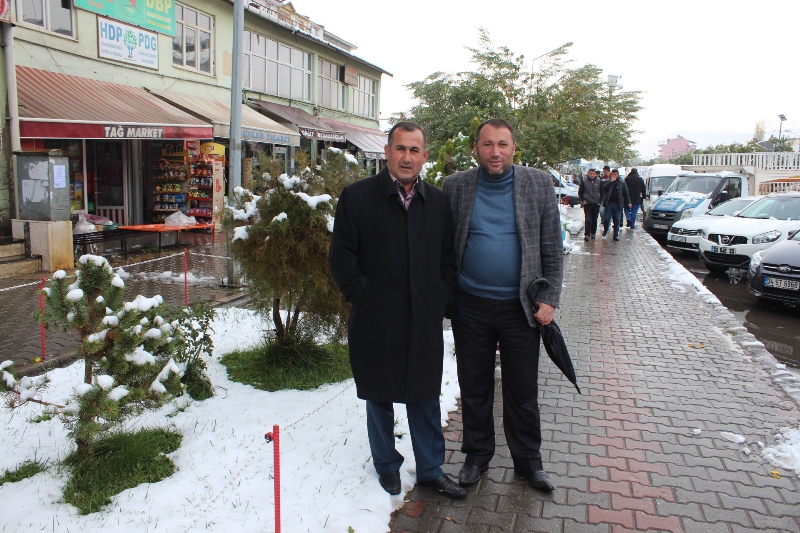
[(538, 228)]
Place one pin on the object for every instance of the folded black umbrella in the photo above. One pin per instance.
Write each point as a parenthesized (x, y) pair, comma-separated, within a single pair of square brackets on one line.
[(552, 338)]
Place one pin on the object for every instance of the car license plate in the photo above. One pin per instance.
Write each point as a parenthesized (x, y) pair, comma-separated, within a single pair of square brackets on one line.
[(723, 250), (677, 238), (660, 226), (779, 283)]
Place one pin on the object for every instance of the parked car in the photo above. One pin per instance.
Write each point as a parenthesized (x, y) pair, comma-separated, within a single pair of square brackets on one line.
[(693, 194), (658, 178), (731, 242), (685, 234), (565, 191), (775, 273)]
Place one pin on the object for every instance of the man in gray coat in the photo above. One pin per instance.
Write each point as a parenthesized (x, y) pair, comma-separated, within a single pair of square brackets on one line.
[(507, 234)]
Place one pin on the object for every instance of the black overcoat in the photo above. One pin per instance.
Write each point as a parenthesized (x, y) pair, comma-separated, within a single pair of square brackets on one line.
[(397, 269)]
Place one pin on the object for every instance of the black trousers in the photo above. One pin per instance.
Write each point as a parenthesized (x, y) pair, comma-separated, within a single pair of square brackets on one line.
[(478, 325), (590, 214)]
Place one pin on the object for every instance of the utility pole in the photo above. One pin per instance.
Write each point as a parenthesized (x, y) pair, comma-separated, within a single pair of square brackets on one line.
[(235, 172)]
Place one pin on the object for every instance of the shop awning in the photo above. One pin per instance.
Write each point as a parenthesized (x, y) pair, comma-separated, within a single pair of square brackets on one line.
[(59, 106), (369, 140), (309, 126), (255, 126)]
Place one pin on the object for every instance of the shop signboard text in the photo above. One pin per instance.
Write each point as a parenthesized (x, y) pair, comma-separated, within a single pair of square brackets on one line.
[(155, 15), (334, 136), (128, 44)]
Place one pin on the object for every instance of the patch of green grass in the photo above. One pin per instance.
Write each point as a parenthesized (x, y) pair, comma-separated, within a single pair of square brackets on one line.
[(23, 471), (116, 463), (305, 366)]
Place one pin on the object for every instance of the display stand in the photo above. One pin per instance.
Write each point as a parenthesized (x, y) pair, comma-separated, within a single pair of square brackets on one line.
[(213, 157), (171, 189)]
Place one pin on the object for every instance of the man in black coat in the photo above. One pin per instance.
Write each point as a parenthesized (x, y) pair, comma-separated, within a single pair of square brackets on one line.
[(638, 192), (392, 257)]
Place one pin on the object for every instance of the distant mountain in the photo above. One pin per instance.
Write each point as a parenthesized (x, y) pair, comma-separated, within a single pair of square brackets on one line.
[(648, 148)]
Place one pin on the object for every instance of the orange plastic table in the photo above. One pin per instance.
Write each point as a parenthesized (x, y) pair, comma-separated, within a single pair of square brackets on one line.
[(161, 228)]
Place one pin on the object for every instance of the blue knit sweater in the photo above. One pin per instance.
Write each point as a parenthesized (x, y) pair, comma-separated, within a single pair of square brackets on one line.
[(490, 267)]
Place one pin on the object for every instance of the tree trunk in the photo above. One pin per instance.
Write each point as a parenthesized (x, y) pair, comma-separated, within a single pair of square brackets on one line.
[(280, 332)]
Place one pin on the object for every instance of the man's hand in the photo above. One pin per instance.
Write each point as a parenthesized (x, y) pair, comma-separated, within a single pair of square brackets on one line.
[(545, 314)]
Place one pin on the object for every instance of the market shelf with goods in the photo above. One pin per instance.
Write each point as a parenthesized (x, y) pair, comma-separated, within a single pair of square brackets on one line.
[(171, 185)]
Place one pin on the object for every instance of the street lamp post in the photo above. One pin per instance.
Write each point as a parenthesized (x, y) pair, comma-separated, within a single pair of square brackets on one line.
[(780, 128)]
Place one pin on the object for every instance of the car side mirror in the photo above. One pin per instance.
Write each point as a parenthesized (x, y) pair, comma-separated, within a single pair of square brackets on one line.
[(791, 234), (660, 192)]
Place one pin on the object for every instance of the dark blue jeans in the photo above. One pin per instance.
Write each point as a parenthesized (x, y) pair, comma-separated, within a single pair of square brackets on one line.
[(613, 212), (630, 214), (427, 440)]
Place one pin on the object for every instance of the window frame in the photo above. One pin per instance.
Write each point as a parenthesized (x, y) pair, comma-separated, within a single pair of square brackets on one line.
[(46, 28), (341, 86), (197, 29), (283, 65), (358, 94)]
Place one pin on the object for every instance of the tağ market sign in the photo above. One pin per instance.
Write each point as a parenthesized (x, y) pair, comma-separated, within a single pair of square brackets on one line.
[(128, 44), (155, 15)]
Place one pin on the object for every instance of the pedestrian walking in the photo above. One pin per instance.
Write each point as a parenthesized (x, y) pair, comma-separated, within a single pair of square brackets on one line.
[(638, 192), (606, 173), (508, 234), (591, 194), (615, 197), (392, 257)]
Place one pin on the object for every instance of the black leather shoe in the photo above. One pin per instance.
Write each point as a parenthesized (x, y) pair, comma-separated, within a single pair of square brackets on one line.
[(585, 237), (390, 481), (616, 238), (444, 485), (593, 235), (541, 481), (605, 232), (470, 474)]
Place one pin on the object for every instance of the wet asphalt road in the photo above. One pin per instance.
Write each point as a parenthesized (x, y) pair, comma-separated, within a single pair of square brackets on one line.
[(777, 326)]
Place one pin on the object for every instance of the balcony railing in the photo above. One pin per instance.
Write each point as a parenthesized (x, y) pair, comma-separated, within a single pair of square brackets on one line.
[(296, 22), (759, 160)]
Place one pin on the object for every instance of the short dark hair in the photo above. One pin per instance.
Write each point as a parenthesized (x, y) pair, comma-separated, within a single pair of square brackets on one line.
[(606, 167), (615, 171), (409, 127), (591, 170), (495, 123)]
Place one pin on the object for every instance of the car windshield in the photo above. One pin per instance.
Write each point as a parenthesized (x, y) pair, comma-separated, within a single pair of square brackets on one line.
[(731, 206), (702, 185), (780, 208), (660, 184)]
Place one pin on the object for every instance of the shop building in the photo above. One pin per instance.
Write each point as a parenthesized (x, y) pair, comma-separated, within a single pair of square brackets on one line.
[(115, 93)]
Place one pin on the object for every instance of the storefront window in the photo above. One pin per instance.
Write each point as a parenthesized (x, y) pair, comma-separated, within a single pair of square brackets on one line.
[(274, 68), (331, 90), (51, 15), (364, 97), (191, 45)]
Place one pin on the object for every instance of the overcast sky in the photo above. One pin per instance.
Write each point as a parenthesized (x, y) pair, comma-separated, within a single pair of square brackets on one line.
[(702, 65)]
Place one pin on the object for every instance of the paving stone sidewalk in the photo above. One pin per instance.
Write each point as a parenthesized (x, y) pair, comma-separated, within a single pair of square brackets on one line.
[(655, 366)]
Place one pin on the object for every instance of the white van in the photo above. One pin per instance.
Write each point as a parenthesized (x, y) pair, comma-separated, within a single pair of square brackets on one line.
[(658, 178)]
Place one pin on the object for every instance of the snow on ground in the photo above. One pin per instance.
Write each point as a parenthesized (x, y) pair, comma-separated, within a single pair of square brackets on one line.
[(224, 477), (177, 277)]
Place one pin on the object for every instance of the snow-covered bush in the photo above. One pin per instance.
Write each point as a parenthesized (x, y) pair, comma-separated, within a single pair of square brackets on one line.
[(281, 235), (135, 353)]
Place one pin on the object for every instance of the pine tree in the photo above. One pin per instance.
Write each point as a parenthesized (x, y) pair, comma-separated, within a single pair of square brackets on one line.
[(281, 238), (135, 353)]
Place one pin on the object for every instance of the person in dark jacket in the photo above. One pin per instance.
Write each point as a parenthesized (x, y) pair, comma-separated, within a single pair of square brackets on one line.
[(392, 257), (591, 194), (615, 197), (638, 192)]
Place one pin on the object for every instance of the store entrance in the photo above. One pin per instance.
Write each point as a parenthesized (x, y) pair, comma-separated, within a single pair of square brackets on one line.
[(110, 180)]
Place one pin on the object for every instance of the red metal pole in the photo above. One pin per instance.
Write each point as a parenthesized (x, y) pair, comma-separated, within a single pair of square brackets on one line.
[(41, 307), (277, 455), (185, 279)]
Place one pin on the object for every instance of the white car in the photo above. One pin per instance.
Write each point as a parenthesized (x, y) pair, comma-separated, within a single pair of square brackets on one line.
[(685, 233), (731, 242)]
